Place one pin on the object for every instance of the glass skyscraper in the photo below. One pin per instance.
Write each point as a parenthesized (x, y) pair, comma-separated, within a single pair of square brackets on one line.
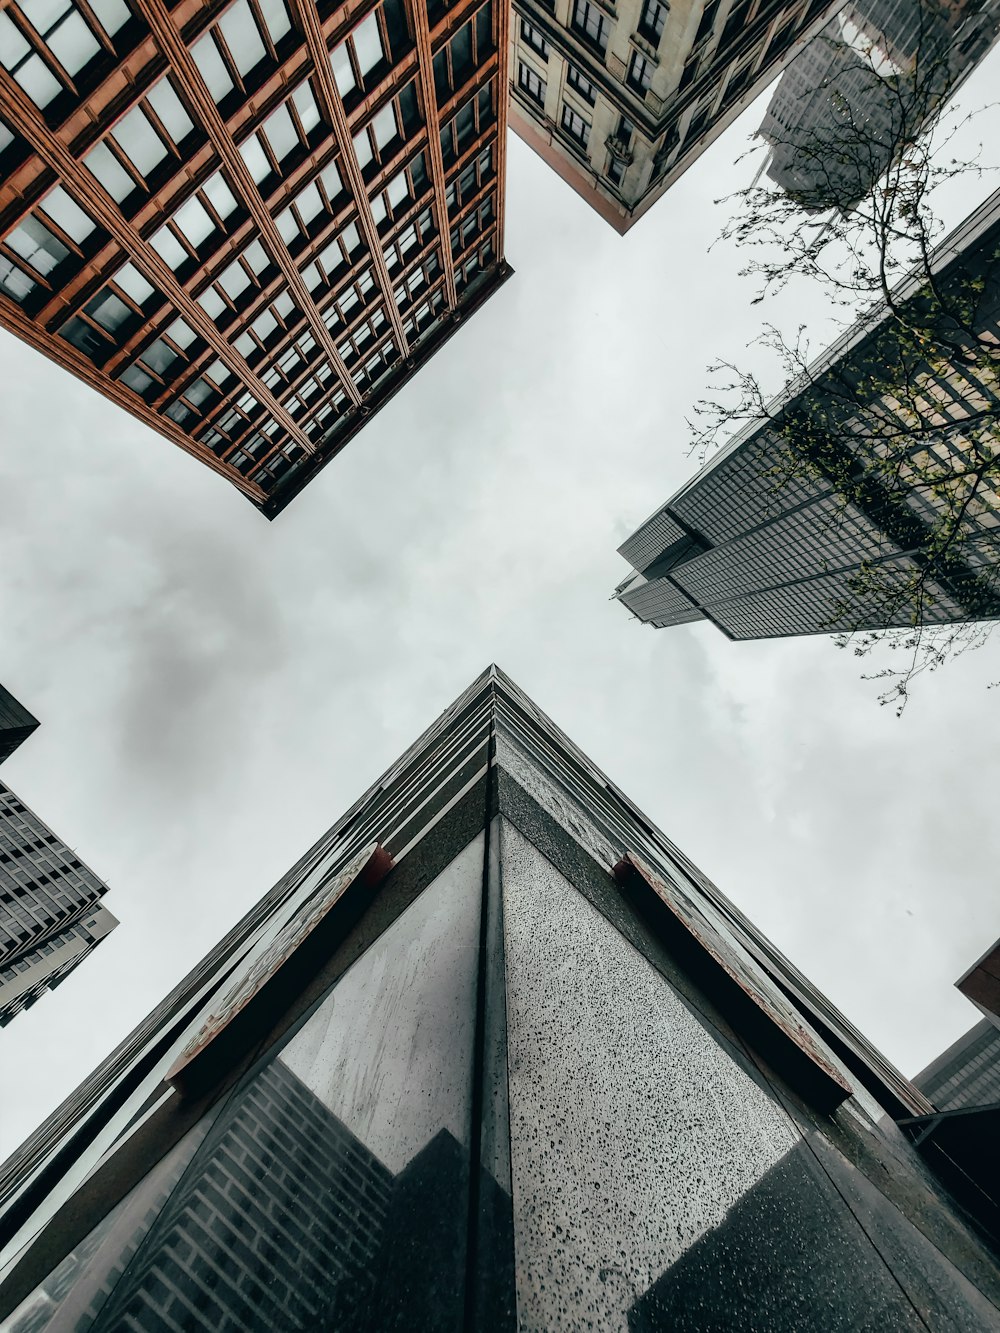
[(51, 915), (763, 542), (493, 1055)]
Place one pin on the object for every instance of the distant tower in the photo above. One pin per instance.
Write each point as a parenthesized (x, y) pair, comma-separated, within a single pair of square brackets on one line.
[(51, 916), (864, 88), (493, 1055)]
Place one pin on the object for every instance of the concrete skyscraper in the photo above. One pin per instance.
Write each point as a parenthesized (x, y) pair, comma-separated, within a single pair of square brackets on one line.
[(51, 916), (621, 99), (249, 223), (764, 542), (493, 1055)]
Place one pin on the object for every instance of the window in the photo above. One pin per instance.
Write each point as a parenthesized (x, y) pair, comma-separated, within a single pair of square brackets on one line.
[(581, 85), (197, 220), (34, 243), (237, 47), (640, 73), (72, 38), (472, 178), (616, 170), (624, 131), (358, 55), (468, 123), (652, 21), (590, 23), (529, 82), (380, 138), (401, 190), (534, 38), (283, 137), (575, 126), (707, 20), (471, 45)]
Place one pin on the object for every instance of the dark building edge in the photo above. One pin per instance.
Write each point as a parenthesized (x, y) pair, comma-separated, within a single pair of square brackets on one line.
[(284, 496)]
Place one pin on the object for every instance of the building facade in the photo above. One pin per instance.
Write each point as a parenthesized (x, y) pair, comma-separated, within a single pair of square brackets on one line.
[(249, 222), (864, 88), (621, 99), (493, 1055), (967, 1073), (51, 915), (807, 523)]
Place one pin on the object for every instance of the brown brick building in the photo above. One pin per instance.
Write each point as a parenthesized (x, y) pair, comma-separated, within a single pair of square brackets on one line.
[(230, 218)]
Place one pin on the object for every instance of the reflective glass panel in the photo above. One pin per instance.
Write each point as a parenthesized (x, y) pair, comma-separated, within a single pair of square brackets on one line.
[(73, 44), (242, 38), (331, 1191), (167, 106), (368, 44), (112, 14), (105, 167), (67, 214), (139, 141)]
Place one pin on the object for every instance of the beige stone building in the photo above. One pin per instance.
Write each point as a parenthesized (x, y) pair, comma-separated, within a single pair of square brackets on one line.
[(621, 98)]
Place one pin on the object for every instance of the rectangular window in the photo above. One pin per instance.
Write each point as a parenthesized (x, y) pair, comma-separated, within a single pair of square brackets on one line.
[(581, 85), (575, 126), (529, 82), (616, 170), (471, 45), (534, 38), (652, 21), (640, 73), (358, 55), (590, 23)]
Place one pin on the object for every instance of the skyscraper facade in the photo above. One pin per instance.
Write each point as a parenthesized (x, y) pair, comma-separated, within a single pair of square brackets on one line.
[(494, 1054), (621, 99), (767, 541), (248, 222), (51, 915), (967, 1073)]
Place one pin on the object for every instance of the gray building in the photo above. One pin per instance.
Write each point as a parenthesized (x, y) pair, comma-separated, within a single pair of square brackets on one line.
[(621, 99), (806, 522), (865, 87), (493, 1055), (51, 916), (967, 1073)]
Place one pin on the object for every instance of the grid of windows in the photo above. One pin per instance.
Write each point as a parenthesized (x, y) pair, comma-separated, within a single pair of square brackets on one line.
[(971, 1077), (50, 916), (227, 236)]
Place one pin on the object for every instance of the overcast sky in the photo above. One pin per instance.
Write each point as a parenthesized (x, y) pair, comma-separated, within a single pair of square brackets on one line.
[(215, 690)]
